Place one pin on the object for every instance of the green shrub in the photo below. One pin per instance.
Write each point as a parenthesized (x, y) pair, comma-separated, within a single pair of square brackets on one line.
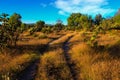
[(35, 35), (43, 36)]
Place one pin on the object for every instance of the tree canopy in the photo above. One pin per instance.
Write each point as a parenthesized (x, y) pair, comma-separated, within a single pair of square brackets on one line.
[(10, 29)]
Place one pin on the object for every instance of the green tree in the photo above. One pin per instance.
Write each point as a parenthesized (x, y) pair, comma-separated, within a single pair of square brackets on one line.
[(73, 20), (116, 18), (59, 26), (107, 24), (23, 27), (98, 19), (84, 22), (80, 21), (14, 28), (90, 23), (4, 38), (4, 18), (39, 25)]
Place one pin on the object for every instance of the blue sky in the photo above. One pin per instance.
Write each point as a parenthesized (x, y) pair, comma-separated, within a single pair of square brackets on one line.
[(52, 10)]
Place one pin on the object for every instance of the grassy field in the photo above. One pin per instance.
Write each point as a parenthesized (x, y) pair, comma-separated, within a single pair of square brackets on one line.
[(62, 55)]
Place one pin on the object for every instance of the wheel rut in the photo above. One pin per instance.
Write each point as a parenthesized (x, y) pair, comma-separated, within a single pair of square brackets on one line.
[(68, 58), (29, 73)]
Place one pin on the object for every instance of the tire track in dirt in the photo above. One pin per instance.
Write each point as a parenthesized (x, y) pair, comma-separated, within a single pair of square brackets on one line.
[(30, 72), (68, 58)]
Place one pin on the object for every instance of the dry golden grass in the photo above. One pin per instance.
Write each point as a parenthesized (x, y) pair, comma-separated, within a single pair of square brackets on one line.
[(12, 64), (34, 42), (37, 38), (62, 39), (94, 66), (89, 64), (106, 70), (106, 39), (25, 33), (53, 67), (76, 38), (40, 39), (54, 35), (80, 37), (4, 58)]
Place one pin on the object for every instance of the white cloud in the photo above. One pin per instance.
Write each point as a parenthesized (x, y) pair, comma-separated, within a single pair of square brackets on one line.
[(91, 7), (61, 12), (43, 5)]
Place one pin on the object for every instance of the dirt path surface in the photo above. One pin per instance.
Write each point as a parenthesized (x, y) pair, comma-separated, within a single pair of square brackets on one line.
[(30, 72), (68, 58)]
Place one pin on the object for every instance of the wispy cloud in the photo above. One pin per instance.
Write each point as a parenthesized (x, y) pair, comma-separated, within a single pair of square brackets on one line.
[(43, 5), (91, 7)]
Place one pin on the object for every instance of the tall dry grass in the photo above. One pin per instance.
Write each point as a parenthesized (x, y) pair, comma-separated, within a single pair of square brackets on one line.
[(34, 42), (78, 37), (10, 65), (91, 65), (53, 67), (62, 39), (38, 38), (106, 39)]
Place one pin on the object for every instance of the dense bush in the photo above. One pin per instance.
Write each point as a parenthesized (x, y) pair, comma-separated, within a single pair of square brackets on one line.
[(10, 29)]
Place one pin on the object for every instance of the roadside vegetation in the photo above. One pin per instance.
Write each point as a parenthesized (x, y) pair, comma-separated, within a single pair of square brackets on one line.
[(12, 65), (53, 66), (85, 49)]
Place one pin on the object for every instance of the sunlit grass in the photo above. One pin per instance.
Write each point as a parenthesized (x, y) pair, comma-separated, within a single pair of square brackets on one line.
[(34, 42), (78, 37), (62, 39), (14, 64), (106, 70), (53, 67), (91, 65), (106, 39)]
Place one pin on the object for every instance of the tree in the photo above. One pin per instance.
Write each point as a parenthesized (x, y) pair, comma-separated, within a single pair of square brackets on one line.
[(107, 24), (98, 19), (116, 18), (73, 20), (10, 29), (4, 38), (4, 18), (23, 27), (39, 25), (84, 22), (59, 25), (91, 23), (14, 27), (15, 20), (80, 21)]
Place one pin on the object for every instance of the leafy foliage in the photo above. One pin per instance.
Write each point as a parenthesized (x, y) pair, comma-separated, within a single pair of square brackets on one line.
[(80, 21), (39, 25), (10, 29)]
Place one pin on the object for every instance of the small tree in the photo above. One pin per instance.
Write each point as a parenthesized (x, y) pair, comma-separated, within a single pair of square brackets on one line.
[(98, 19), (23, 27), (4, 37), (14, 27), (59, 26), (9, 30), (39, 25)]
